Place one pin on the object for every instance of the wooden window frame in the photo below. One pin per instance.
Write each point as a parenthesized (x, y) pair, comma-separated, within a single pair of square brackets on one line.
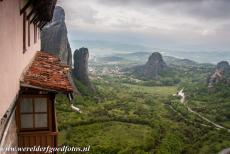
[(35, 33), (24, 32), (49, 114), (28, 33), (38, 30)]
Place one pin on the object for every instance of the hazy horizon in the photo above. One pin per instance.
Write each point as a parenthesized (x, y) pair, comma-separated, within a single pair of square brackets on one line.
[(104, 49)]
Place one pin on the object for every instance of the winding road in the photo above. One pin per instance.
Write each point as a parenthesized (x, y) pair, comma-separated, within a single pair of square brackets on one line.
[(183, 101), (217, 126)]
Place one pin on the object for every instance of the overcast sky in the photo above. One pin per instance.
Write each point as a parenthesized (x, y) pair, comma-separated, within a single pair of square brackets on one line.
[(169, 24)]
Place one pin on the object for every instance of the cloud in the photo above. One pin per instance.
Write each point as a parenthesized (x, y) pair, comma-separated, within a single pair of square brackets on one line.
[(167, 22), (80, 11), (206, 9)]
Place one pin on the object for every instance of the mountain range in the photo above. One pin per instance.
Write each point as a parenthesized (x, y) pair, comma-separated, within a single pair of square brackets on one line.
[(108, 48), (141, 57)]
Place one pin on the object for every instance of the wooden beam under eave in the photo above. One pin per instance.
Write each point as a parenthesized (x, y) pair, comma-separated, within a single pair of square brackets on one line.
[(36, 20), (43, 24), (30, 14), (35, 16), (25, 7), (39, 25)]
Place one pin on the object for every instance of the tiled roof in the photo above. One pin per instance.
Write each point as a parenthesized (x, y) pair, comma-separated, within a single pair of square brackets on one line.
[(47, 72)]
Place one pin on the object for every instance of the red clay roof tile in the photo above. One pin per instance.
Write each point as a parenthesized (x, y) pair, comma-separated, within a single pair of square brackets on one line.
[(47, 72)]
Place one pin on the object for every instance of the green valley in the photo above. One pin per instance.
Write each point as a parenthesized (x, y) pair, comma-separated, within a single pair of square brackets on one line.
[(128, 115)]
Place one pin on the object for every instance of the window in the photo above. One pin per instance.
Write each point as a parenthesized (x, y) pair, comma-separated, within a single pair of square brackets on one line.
[(34, 113), (24, 32)]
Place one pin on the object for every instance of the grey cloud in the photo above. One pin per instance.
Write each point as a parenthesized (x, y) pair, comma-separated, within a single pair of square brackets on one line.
[(79, 11), (85, 13), (145, 2), (209, 9), (210, 29), (205, 9)]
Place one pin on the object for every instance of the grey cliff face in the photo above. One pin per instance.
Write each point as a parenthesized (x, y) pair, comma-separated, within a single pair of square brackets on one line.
[(154, 66), (59, 15), (221, 73), (54, 37), (80, 70)]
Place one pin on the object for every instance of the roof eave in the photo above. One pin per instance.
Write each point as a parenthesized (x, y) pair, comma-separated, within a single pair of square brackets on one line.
[(45, 89)]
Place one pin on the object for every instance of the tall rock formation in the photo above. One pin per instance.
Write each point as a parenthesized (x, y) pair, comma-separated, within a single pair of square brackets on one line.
[(80, 70), (155, 65), (54, 37), (221, 74), (152, 69)]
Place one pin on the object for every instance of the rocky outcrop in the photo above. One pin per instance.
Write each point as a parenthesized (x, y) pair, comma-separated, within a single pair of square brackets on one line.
[(152, 69), (80, 70), (54, 37), (221, 73), (155, 65)]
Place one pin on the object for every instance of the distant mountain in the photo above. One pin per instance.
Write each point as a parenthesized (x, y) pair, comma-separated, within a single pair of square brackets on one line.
[(154, 66), (201, 56), (220, 74), (141, 57), (179, 62), (136, 54), (111, 59)]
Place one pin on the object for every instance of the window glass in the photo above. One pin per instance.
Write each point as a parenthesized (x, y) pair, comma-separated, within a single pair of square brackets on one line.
[(26, 105), (34, 112), (40, 104), (26, 121), (41, 120)]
